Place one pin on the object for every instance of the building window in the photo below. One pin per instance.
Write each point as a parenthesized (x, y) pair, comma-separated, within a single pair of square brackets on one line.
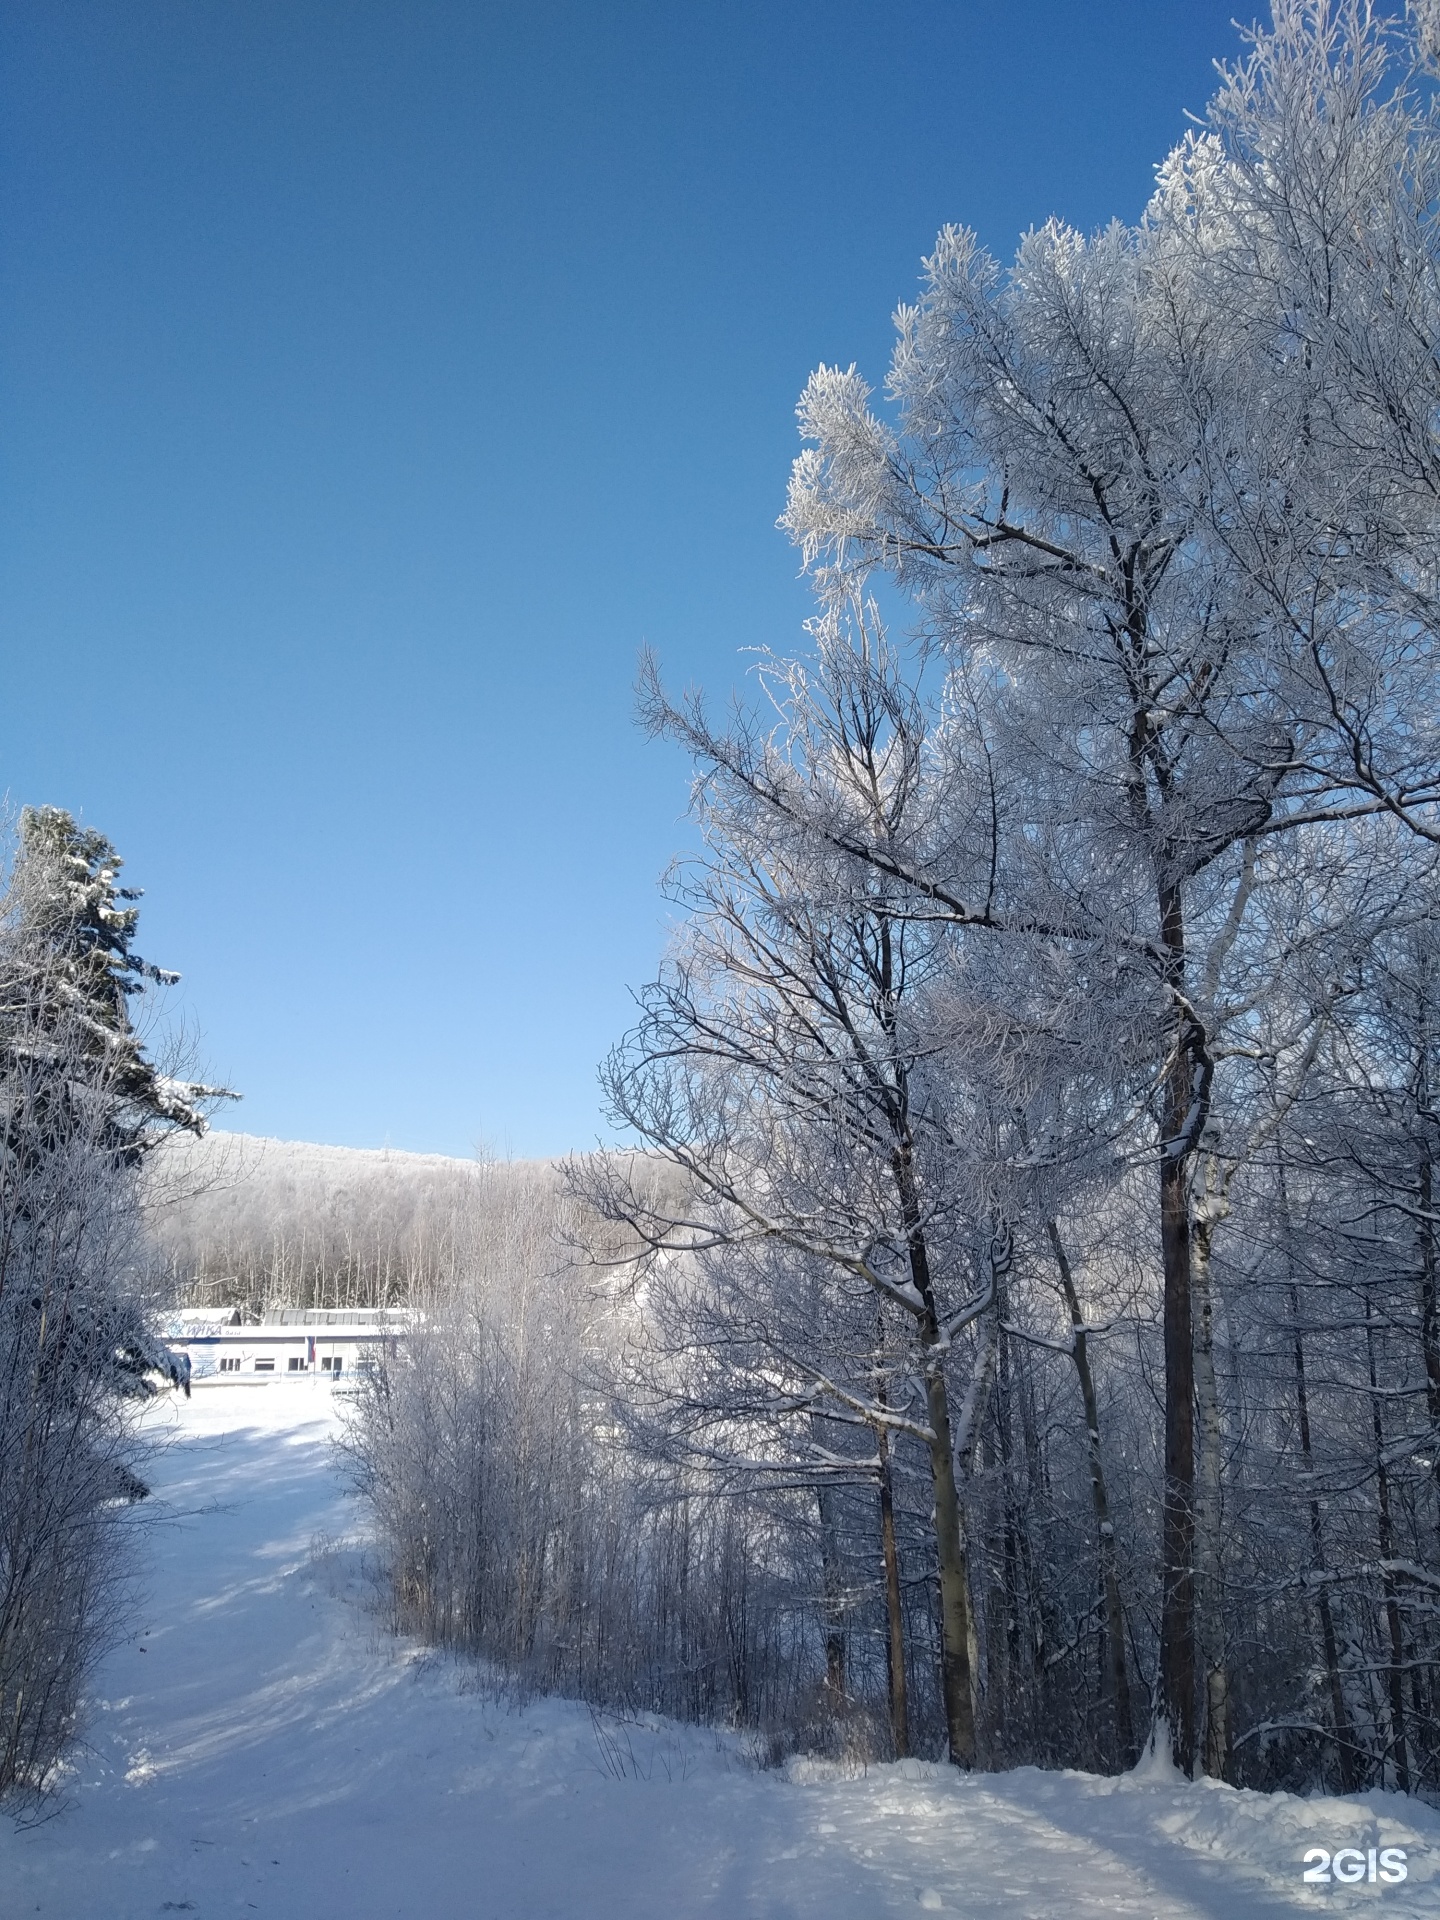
[(330, 1363), (230, 1366), (264, 1366), (297, 1365)]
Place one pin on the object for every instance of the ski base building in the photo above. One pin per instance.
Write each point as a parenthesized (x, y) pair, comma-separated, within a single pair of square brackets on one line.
[(287, 1343)]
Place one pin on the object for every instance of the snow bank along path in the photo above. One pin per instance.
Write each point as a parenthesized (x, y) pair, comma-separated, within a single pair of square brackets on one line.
[(260, 1744)]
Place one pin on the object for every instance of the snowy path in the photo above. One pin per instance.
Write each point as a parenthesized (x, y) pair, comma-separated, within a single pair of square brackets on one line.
[(260, 1746)]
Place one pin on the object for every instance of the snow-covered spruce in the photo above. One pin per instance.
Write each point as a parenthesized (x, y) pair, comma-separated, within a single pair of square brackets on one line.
[(80, 1103)]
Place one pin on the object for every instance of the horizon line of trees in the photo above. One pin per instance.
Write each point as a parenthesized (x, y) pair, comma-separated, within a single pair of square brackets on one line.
[(249, 1223)]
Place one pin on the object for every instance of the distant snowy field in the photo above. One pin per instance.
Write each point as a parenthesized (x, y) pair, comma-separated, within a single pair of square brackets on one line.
[(260, 1744)]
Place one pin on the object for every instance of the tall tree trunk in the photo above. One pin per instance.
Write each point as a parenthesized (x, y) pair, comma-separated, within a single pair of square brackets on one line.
[(1214, 1672), (957, 1679), (832, 1575), (1423, 1113), (1003, 1648), (1429, 1307), (1180, 1123), (957, 1619), (1425, 1228), (1346, 1745), (1038, 1495), (1027, 1636), (833, 1602), (1339, 1711), (1395, 1674), (894, 1611), (1118, 1682)]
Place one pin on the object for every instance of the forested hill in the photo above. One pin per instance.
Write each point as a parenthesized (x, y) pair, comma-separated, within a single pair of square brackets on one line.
[(236, 1218)]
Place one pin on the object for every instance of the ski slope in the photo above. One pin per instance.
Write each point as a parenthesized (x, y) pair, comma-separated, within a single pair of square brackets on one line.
[(260, 1745)]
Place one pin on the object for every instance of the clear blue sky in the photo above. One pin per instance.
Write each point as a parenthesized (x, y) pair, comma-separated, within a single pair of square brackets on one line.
[(377, 376)]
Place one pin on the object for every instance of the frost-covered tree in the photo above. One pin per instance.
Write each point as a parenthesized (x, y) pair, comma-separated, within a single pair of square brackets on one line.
[(1069, 454), (835, 1082), (517, 1524), (1038, 1103), (79, 926), (1302, 218), (79, 1103)]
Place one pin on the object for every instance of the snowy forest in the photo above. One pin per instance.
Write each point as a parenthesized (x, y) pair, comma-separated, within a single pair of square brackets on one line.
[(255, 1224), (1008, 1329), (1030, 1348)]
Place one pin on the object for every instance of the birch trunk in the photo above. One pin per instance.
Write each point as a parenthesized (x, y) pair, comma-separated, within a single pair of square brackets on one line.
[(957, 1679), (1116, 1674), (896, 1684), (1218, 1753), (1425, 1231), (957, 1616), (1177, 1533), (1339, 1711), (1395, 1673), (833, 1600)]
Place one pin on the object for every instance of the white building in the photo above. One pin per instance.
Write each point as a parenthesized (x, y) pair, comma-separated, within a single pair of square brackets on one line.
[(288, 1344)]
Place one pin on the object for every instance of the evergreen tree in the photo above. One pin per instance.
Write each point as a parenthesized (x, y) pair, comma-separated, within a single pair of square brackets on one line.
[(72, 999), (81, 1102)]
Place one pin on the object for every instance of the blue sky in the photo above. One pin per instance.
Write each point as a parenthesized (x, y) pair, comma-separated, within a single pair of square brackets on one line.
[(377, 376)]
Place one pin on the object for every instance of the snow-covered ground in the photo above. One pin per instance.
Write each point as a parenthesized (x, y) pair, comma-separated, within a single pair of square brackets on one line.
[(261, 1745)]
